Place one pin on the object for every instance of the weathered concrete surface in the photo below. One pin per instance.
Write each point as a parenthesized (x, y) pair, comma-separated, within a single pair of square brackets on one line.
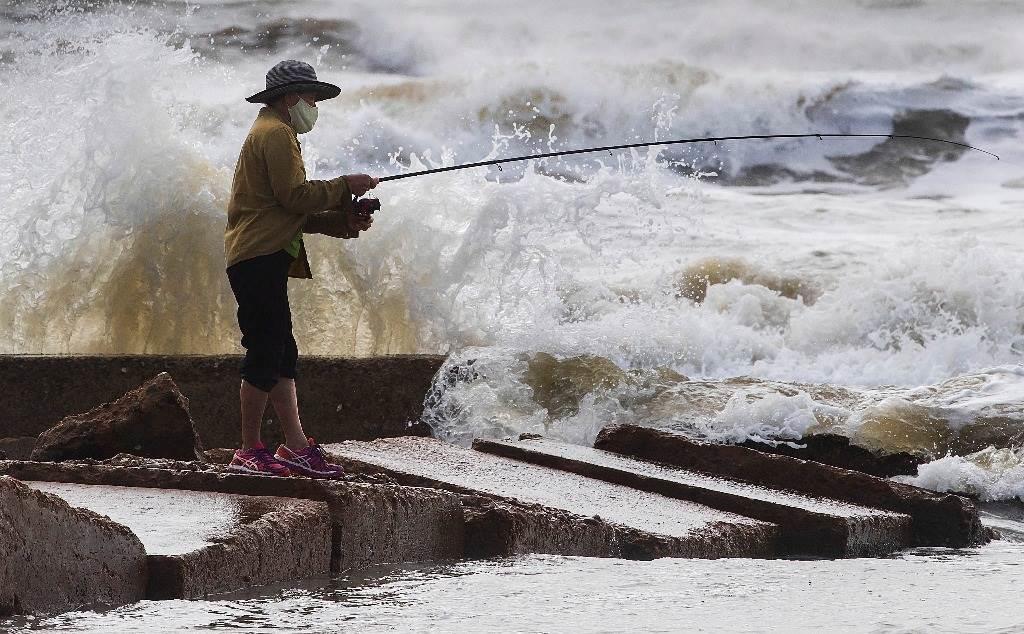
[(497, 528), (646, 525), (152, 420), (502, 528), (341, 398), (377, 524), (201, 543), (838, 451), (371, 523), (808, 526), (939, 519), (54, 557), (18, 448)]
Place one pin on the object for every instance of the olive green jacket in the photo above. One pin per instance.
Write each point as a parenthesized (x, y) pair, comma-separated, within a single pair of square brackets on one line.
[(271, 200)]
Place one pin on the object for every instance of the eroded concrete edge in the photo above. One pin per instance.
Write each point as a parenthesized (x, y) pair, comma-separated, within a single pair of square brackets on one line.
[(361, 535), (290, 542), (939, 519), (70, 556), (802, 532), (513, 526)]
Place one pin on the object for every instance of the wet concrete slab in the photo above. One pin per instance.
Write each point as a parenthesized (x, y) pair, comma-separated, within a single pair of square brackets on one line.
[(199, 543), (168, 522), (505, 528), (808, 525), (370, 523), (646, 525), (938, 519), (56, 557)]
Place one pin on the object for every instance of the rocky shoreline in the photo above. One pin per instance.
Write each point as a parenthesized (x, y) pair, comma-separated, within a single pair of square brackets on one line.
[(131, 498)]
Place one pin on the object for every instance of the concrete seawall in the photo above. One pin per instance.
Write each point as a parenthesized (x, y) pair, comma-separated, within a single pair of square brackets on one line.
[(340, 398)]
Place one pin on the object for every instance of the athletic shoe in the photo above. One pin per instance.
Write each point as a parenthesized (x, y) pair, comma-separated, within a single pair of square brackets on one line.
[(258, 461), (311, 461)]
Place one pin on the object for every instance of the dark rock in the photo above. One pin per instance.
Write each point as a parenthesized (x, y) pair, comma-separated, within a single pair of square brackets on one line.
[(838, 451), (939, 519), (19, 448), (808, 526), (340, 398), (645, 525), (56, 557), (152, 420), (371, 523)]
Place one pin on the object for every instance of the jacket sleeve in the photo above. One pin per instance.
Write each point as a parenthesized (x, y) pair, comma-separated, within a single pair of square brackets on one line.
[(332, 223), (288, 181)]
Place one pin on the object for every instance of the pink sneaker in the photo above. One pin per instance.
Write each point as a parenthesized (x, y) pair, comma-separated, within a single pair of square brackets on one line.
[(310, 462), (258, 461)]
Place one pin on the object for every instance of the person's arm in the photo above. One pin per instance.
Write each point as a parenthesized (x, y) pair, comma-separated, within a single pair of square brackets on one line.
[(288, 178), (346, 222), (333, 223)]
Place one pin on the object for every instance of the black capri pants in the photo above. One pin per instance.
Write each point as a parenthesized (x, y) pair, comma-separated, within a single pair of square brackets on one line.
[(260, 286)]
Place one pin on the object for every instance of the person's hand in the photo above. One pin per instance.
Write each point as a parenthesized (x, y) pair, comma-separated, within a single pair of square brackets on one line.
[(359, 184), (361, 217)]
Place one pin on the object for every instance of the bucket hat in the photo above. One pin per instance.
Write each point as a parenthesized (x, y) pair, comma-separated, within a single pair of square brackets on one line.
[(292, 76)]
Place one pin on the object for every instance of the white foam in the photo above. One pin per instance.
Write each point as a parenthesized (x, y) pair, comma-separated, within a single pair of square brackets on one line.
[(990, 474), (121, 145), (768, 418)]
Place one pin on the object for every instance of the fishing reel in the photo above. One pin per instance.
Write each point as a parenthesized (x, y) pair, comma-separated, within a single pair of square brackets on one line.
[(366, 206)]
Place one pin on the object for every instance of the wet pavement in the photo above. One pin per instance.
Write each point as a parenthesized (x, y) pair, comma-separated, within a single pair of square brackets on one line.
[(168, 521), (810, 525), (466, 470)]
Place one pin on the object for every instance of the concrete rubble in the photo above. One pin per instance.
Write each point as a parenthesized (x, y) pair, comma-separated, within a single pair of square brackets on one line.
[(939, 519), (371, 524), (201, 543), (809, 526), (126, 495), (56, 557), (645, 525), (152, 420)]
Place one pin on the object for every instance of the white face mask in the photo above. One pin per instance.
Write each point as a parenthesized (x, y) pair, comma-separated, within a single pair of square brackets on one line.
[(303, 116)]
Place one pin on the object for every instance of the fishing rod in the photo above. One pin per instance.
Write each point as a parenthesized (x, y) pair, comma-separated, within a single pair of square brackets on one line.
[(711, 139)]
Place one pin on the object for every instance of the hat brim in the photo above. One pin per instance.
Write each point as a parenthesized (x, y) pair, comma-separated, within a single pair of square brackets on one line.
[(322, 89)]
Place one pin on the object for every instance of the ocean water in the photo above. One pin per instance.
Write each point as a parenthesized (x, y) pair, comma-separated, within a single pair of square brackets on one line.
[(761, 290), (741, 290), (922, 590)]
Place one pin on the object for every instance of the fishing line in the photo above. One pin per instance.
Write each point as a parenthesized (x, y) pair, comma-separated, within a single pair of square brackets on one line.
[(711, 139)]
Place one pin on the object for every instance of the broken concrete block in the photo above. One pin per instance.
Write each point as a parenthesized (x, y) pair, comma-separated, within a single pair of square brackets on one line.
[(152, 420), (201, 543), (939, 519), (387, 524), (55, 557), (808, 525), (371, 523), (838, 451), (646, 525), (503, 528)]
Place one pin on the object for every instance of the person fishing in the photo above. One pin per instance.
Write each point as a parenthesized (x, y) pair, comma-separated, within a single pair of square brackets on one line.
[(272, 205)]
